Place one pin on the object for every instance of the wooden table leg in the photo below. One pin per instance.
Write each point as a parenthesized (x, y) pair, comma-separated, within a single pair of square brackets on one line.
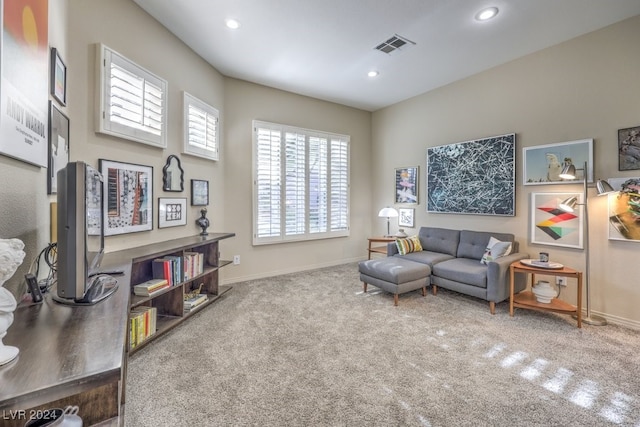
[(511, 278), (579, 314)]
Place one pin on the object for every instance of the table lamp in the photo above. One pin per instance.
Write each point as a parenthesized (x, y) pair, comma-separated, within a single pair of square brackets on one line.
[(389, 213)]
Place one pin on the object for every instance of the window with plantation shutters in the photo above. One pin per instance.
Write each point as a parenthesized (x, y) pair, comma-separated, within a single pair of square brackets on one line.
[(201, 130), (133, 100), (301, 184)]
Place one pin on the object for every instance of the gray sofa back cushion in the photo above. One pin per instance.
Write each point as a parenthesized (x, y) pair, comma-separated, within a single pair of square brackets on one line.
[(440, 240), (473, 243)]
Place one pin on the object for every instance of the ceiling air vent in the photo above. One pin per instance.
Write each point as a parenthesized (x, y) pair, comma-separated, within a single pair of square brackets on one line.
[(395, 43)]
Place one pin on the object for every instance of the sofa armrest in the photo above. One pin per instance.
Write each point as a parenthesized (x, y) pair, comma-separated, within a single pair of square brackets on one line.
[(498, 277), (392, 249)]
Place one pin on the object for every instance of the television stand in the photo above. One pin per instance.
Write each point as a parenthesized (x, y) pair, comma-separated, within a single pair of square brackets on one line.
[(101, 287)]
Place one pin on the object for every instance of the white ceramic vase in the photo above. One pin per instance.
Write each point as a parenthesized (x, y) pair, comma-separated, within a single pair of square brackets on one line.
[(544, 292)]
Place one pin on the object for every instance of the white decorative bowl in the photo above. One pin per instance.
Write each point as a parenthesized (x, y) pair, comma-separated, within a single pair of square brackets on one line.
[(544, 292)]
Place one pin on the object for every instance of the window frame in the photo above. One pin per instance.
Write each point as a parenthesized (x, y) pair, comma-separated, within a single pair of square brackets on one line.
[(191, 149), (343, 197), (106, 56)]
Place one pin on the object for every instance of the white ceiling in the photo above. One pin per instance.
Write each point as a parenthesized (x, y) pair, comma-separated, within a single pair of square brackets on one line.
[(324, 48)]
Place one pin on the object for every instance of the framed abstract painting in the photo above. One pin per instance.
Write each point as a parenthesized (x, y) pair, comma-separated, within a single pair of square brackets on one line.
[(473, 177)]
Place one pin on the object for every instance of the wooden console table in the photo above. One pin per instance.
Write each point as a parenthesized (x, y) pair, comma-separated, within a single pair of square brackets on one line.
[(379, 249), (527, 299)]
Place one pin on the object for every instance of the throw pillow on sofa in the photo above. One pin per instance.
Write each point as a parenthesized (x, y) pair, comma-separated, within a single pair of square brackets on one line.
[(408, 245), (495, 249)]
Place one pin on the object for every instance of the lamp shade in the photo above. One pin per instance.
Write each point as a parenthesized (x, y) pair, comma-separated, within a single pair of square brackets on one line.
[(569, 204), (388, 212), (603, 187), (568, 172)]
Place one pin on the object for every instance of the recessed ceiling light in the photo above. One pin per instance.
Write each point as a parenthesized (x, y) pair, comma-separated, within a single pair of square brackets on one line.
[(232, 23), (486, 14), (372, 73)]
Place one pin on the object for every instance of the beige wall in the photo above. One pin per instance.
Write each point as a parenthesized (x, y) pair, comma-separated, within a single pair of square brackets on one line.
[(585, 88), (245, 102)]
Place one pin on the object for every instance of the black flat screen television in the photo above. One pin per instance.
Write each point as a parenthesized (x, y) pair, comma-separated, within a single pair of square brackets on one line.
[(80, 243)]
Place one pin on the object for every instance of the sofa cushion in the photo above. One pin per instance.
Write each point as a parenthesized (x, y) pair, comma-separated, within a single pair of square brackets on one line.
[(408, 245), (495, 249), (464, 270), (440, 240), (473, 243), (427, 257)]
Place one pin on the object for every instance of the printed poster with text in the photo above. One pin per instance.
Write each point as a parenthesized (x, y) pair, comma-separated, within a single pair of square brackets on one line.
[(24, 86)]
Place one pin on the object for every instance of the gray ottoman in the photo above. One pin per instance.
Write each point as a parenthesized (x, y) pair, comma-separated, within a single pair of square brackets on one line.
[(395, 275)]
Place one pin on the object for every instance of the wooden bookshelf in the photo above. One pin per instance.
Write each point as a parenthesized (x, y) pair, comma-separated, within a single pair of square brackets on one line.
[(170, 301)]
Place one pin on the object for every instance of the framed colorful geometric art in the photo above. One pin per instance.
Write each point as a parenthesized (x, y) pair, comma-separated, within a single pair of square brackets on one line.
[(552, 226)]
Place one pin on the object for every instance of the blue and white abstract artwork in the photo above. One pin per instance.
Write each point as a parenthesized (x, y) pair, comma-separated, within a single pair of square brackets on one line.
[(473, 177)]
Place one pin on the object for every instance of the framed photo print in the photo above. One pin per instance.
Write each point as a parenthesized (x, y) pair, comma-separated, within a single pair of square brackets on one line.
[(552, 226), (58, 79), (172, 212), (624, 209), (629, 149), (544, 163), (128, 192), (58, 146), (405, 217), (407, 185), (199, 192)]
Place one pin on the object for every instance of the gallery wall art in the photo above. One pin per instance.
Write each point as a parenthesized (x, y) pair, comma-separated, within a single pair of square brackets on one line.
[(629, 148), (550, 225), (624, 209), (407, 185), (542, 164), (472, 177), (128, 193), (24, 55)]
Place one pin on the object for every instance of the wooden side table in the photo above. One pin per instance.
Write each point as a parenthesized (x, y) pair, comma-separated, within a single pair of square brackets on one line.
[(527, 299), (379, 249)]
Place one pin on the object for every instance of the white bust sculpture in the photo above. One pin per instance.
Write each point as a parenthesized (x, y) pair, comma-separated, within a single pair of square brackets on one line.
[(11, 256)]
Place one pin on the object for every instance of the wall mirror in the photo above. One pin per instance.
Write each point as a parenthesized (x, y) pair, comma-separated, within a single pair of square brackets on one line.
[(173, 175)]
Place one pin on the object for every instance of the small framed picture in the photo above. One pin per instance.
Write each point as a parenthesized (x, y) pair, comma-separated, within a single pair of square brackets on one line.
[(405, 217), (58, 80), (407, 185), (629, 149), (58, 146), (172, 212), (199, 192)]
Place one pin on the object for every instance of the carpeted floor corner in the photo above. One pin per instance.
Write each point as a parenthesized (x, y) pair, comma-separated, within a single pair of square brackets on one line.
[(311, 349)]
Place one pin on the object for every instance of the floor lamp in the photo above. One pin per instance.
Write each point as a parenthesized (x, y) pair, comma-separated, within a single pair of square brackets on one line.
[(389, 213), (568, 205)]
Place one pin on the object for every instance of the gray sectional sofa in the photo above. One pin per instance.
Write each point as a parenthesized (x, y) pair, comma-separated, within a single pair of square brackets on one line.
[(454, 259)]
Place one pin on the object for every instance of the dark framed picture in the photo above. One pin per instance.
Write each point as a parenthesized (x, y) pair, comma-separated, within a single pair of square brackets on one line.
[(407, 185), (629, 149), (58, 146), (128, 193), (58, 80), (199, 192), (172, 212)]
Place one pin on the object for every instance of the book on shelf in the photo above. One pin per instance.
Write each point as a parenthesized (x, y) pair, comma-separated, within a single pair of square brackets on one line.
[(192, 302), (161, 269), (150, 287), (142, 324), (193, 264)]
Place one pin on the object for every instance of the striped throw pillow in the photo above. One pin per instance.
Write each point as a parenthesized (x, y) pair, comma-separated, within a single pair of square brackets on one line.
[(408, 245)]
